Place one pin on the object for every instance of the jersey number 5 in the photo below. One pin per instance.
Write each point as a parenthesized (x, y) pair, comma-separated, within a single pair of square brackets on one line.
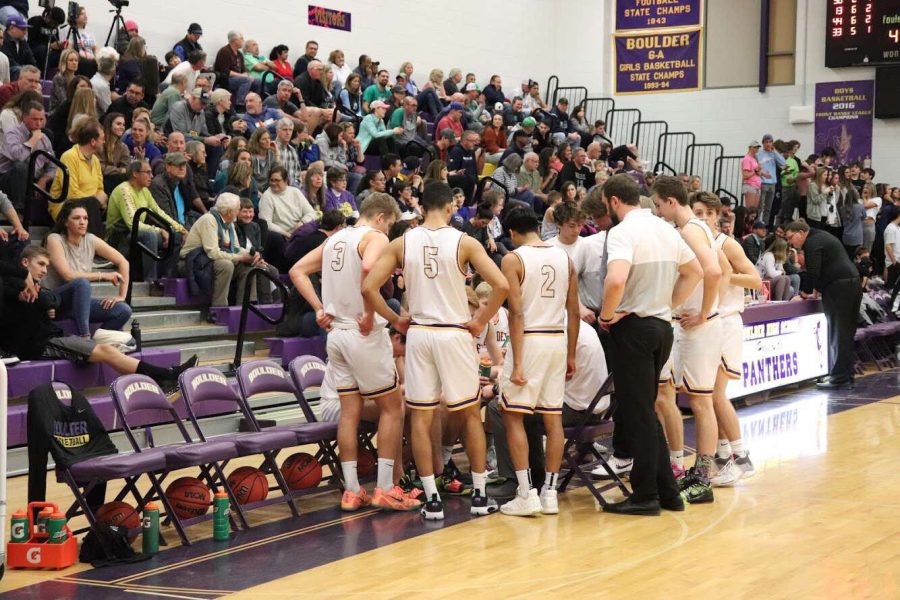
[(549, 275), (429, 261), (337, 263)]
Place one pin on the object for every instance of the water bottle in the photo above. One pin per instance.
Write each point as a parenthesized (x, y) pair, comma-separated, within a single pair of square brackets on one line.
[(56, 527), (19, 529), (150, 529), (221, 526), (42, 522), (136, 334)]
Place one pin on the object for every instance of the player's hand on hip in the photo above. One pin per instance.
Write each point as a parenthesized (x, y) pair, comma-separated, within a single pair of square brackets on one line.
[(366, 323), (402, 324), (323, 319), (475, 327)]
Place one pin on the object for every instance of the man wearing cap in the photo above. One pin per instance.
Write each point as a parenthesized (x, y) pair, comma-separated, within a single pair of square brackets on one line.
[(258, 115), (170, 192), (561, 127), (750, 174), (412, 125), (398, 93), (755, 244), (188, 117), (377, 91), (190, 42), (190, 68), (124, 36), (132, 99), (14, 45), (44, 34), (770, 160), (474, 104), (452, 120)]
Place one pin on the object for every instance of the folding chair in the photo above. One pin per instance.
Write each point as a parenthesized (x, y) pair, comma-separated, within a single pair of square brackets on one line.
[(140, 402), (205, 385), (265, 376), (84, 476), (580, 438), (308, 371)]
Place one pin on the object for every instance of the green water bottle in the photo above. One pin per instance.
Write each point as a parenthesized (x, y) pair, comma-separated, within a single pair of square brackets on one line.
[(19, 529), (221, 526), (56, 527), (150, 529), (42, 521)]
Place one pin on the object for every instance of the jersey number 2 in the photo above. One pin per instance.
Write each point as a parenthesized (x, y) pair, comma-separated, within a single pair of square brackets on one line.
[(430, 262), (549, 275)]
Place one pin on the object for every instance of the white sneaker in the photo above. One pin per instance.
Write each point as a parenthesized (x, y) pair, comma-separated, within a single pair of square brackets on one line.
[(601, 449), (727, 476), (619, 466), (523, 507), (549, 504)]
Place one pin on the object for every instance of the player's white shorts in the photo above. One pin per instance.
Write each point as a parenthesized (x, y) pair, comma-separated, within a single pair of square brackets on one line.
[(544, 366), (697, 355), (329, 402), (362, 364), (732, 331), (440, 360)]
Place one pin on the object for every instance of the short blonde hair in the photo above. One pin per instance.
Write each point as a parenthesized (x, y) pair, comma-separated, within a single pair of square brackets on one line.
[(483, 290)]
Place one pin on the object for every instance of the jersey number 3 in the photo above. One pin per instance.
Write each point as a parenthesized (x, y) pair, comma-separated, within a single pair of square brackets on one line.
[(549, 275), (429, 261), (337, 262)]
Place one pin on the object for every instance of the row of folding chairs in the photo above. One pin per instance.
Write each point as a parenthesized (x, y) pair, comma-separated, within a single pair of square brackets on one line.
[(141, 404)]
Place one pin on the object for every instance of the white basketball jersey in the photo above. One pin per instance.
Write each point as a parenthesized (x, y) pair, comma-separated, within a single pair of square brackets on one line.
[(732, 302), (342, 277), (545, 284), (695, 301), (435, 284)]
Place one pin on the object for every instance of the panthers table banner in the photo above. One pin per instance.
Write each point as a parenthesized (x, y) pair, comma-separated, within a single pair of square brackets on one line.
[(648, 63)]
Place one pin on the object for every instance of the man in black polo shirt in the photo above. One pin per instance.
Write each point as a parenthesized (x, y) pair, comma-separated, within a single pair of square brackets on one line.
[(831, 273), (463, 164), (576, 171)]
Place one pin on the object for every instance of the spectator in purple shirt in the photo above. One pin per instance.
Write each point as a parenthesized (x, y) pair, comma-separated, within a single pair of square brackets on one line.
[(336, 195)]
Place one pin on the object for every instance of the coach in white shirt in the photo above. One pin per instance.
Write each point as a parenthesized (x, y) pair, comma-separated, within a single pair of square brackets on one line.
[(650, 269)]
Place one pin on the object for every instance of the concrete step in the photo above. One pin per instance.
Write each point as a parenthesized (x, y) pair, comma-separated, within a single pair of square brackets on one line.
[(165, 319), (164, 336), (216, 350), (148, 303), (105, 289)]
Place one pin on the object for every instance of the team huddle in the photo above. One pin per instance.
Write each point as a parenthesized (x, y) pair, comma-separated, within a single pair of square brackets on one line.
[(539, 285)]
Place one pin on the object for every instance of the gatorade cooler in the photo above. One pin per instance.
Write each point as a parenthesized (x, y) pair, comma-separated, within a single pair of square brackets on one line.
[(38, 552)]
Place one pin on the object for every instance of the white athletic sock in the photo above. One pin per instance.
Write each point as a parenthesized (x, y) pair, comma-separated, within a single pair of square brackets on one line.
[(385, 474), (479, 483), (550, 481), (351, 481), (737, 448), (430, 487), (524, 479), (676, 457), (723, 449), (446, 454)]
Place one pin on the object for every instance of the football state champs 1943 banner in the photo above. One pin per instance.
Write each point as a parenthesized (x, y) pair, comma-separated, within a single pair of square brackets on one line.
[(658, 61), (657, 14)]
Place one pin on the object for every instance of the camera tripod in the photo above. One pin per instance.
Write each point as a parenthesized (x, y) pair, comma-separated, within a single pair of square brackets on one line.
[(118, 24)]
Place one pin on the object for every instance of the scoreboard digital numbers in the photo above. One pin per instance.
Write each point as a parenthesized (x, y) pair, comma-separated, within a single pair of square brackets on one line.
[(862, 32)]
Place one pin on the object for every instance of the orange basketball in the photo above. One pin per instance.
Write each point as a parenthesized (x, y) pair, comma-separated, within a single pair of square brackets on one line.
[(301, 471), (120, 514), (189, 497), (249, 485), (365, 462)]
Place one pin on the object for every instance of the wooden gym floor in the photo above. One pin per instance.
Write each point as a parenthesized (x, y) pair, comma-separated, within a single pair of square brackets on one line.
[(819, 520)]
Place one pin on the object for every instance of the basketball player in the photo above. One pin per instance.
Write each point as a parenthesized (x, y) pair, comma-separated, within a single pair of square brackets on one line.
[(732, 460), (695, 357), (440, 351), (360, 355), (543, 320)]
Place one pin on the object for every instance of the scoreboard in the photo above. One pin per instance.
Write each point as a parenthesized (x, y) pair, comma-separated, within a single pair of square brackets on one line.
[(862, 32)]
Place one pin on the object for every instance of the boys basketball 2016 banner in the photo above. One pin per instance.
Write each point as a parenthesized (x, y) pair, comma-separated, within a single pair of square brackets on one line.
[(658, 62), (654, 14), (844, 119), (328, 18)]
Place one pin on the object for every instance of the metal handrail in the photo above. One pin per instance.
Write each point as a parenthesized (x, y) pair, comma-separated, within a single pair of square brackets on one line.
[(550, 80), (423, 147), (263, 91), (137, 247), (246, 306), (345, 110), (569, 88), (482, 183), (31, 186)]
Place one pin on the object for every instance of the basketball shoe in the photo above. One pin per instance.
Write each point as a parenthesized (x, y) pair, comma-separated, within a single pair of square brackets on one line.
[(433, 510), (549, 503), (728, 474), (352, 501), (394, 499), (482, 505), (528, 506), (745, 465)]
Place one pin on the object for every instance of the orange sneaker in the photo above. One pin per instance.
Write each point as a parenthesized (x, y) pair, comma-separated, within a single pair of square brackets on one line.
[(394, 499), (352, 501)]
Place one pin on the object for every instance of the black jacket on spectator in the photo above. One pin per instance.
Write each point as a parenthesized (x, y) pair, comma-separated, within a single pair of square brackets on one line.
[(450, 87), (25, 325), (460, 158), (212, 121), (753, 247), (19, 53), (122, 106), (187, 46), (560, 121), (312, 89), (163, 191), (826, 261), (492, 96)]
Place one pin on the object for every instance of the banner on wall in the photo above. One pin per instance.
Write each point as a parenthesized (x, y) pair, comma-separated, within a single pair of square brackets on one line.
[(844, 112), (648, 63), (655, 14), (328, 18)]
